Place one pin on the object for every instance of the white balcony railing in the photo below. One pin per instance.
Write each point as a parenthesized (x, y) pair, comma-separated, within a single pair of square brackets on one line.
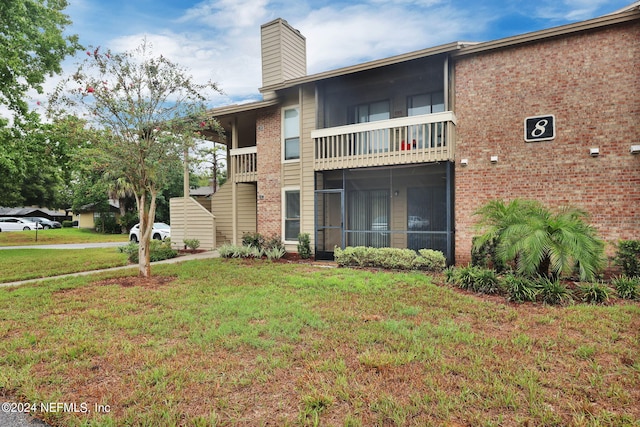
[(415, 139), (245, 164)]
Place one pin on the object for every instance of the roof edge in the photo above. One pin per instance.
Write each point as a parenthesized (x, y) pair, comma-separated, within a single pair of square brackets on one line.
[(240, 108), (436, 50), (626, 15)]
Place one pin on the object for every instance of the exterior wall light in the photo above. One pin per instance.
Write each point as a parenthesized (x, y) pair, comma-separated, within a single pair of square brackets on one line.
[(464, 162), (635, 149), (594, 152), (494, 159)]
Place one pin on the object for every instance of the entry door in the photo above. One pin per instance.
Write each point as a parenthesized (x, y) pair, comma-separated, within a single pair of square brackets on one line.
[(329, 219)]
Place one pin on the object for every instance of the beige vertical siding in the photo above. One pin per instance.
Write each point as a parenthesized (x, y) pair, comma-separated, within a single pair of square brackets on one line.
[(291, 174), (198, 223), (221, 203), (307, 185), (283, 53), (247, 207)]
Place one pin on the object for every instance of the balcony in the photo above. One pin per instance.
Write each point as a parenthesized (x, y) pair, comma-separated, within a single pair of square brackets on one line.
[(244, 162), (415, 139)]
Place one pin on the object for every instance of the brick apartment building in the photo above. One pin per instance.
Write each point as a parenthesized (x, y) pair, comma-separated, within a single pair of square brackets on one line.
[(401, 151)]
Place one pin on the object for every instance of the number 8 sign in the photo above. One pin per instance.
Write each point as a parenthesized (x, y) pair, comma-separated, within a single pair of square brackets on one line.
[(539, 128)]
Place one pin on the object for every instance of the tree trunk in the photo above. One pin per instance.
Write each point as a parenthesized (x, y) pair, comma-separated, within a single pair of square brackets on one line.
[(147, 218)]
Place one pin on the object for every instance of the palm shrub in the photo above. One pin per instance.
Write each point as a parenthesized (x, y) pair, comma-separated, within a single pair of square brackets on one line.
[(539, 242)]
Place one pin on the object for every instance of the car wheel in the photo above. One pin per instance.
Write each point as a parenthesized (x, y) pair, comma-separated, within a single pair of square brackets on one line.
[(134, 239), (157, 237), (46, 227), (26, 228)]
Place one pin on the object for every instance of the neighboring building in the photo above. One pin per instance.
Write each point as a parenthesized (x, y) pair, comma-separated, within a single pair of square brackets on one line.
[(401, 151), (53, 215), (88, 216)]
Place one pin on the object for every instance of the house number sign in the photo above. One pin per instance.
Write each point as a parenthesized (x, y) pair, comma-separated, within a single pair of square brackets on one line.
[(539, 128)]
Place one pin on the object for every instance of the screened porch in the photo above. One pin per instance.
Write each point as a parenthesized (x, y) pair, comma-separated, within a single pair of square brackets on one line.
[(402, 207)]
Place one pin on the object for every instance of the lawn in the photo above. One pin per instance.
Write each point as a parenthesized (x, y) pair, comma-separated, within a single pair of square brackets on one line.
[(58, 236), (247, 343), (24, 264)]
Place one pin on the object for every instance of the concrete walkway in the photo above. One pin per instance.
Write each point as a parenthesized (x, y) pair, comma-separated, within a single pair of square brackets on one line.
[(181, 258)]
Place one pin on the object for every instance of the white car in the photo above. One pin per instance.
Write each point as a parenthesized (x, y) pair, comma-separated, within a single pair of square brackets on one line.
[(10, 223), (160, 231)]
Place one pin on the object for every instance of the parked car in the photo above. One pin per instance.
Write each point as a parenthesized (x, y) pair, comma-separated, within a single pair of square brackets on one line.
[(417, 223), (10, 223), (160, 231), (46, 223)]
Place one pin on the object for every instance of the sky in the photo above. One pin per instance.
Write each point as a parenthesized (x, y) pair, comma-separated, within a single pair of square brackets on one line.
[(219, 40)]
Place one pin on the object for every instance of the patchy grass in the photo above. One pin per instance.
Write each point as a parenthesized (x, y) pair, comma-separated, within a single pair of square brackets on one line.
[(232, 342), (58, 236), (24, 264)]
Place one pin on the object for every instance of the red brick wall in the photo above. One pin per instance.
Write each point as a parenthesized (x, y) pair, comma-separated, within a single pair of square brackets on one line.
[(268, 145), (591, 83)]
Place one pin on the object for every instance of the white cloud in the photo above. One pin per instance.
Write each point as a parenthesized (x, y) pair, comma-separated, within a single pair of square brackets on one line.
[(339, 37), (234, 15), (570, 10)]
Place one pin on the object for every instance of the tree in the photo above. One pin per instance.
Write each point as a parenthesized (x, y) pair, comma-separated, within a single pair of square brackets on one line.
[(39, 158), (32, 46), (214, 158), (540, 241), (150, 112)]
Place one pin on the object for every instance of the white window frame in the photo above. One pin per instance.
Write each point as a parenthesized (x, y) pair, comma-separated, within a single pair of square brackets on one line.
[(286, 190), (284, 109)]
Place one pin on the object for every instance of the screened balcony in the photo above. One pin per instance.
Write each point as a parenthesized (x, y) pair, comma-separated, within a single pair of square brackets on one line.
[(406, 140)]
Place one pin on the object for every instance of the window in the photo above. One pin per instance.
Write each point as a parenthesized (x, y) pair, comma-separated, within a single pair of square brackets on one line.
[(291, 134), (365, 113), (425, 103), (374, 141), (291, 215)]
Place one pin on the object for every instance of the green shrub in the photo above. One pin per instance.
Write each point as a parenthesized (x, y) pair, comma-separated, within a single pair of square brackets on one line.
[(192, 244), (233, 251), (520, 289), (595, 293), (354, 256), (67, 224), (484, 254), (430, 260), (107, 224), (253, 239), (274, 253), (158, 250), (273, 242), (261, 242), (391, 258), (628, 257), (226, 250), (131, 249), (627, 287), (553, 292), (476, 279), (304, 246)]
